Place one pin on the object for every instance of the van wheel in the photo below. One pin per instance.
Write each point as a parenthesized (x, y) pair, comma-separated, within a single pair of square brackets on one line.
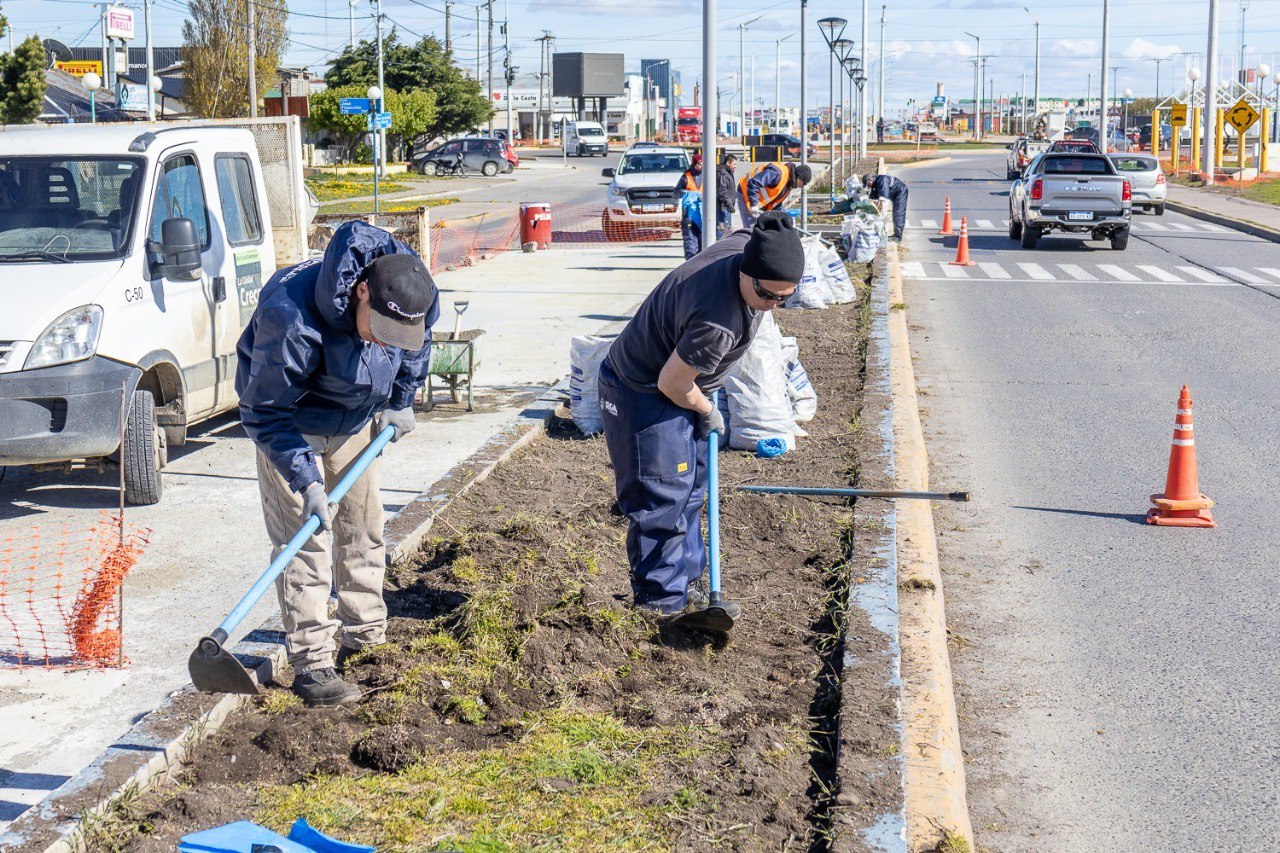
[(144, 452), (489, 169), (1030, 235)]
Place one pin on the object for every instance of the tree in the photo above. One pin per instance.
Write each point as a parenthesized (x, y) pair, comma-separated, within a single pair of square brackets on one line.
[(423, 67), (411, 114), (22, 80), (216, 55)]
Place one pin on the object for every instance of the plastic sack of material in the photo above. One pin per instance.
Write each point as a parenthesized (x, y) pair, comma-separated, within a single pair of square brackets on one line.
[(586, 352), (804, 399), (812, 291), (837, 276), (862, 243), (759, 403)]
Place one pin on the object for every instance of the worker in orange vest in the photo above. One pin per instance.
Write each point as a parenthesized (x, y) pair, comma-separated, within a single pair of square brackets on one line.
[(767, 187), (690, 188)]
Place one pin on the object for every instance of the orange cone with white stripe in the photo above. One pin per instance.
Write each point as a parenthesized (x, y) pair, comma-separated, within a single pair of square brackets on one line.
[(962, 247), (1182, 504), (946, 220)]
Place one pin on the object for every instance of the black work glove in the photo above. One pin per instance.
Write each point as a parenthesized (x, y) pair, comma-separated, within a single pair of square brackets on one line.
[(711, 422)]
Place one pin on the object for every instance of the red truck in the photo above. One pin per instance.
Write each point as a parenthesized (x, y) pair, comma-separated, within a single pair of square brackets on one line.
[(689, 124)]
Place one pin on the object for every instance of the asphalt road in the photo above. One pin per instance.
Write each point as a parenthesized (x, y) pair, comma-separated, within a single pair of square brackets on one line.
[(1117, 681)]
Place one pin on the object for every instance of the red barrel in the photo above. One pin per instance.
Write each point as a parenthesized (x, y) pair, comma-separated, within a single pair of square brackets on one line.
[(535, 224)]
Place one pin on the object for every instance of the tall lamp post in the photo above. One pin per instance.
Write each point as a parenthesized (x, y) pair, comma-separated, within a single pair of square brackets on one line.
[(92, 83), (710, 121), (742, 75), (375, 95), (804, 104), (1124, 126), (1275, 78), (1208, 150), (777, 83), (1035, 95), (852, 69), (977, 94), (832, 29), (844, 50)]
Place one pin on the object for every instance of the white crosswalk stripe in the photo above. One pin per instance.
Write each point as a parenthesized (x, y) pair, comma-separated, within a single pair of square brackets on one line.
[(1160, 274), (1203, 275), (994, 270), (1004, 223), (1236, 272), (1037, 272), (912, 269), (1270, 271), (1077, 272), (954, 272), (1206, 226), (1180, 226), (985, 223), (1117, 273), (1153, 226), (931, 224)]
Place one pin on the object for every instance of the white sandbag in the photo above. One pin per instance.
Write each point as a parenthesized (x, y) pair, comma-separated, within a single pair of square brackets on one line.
[(804, 399), (586, 352), (759, 403), (863, 245), (837, 276), (812, 291)]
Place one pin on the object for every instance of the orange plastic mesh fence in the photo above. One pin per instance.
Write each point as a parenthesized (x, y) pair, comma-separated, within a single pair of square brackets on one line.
[(60, 593)]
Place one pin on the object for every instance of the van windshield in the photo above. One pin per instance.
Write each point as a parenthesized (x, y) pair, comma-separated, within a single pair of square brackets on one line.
[(590, 131), (69, 209)]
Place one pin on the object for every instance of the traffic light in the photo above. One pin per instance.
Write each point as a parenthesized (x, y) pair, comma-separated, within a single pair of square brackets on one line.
[(511, 74)]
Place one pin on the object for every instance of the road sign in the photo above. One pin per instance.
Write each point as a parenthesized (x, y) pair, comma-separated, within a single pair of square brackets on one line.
[(380, 121), (354, 106), (1177, 114), (1242, 116)]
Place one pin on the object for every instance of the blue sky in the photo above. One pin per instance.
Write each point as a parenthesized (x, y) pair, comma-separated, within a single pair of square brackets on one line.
[(924, 39)]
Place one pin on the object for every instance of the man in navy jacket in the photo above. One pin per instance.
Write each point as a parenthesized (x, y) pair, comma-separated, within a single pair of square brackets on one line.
[(334, 353)]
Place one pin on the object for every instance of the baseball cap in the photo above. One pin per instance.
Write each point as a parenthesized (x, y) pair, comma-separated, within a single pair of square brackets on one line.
[(401, 292)]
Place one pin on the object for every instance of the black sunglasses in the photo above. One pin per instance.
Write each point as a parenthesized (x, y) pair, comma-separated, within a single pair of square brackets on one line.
[(769, 295)]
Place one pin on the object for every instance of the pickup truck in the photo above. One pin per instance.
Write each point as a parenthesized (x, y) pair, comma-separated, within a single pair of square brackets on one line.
[(1021, 153), (1071, 193), (642, 192), (131, 256)]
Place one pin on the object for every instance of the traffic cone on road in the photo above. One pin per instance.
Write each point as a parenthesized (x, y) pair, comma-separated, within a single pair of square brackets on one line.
[(946, 220), (962, 247), (1182, 504)]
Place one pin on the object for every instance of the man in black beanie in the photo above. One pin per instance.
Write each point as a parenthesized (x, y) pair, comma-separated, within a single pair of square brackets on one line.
[(656, 388)]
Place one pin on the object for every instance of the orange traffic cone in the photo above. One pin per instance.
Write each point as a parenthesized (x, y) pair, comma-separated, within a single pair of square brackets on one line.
[(946, 220), (962, 247), (1182, 504)]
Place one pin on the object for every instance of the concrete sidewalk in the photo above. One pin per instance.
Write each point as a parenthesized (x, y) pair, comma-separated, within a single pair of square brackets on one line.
[(208, 541), (1253, 217)]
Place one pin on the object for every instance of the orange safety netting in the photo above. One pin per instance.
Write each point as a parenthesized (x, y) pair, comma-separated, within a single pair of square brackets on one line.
[(60, 592)]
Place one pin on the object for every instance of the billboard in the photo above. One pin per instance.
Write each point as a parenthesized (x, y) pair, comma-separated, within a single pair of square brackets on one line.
[(79, 68), (119, 23), (587, 75)]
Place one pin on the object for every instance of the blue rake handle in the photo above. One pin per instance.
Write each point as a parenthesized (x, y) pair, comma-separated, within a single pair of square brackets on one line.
[(713, 509), (309, 527)]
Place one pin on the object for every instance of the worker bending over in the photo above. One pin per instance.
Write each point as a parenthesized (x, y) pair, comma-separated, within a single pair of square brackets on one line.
[(690, 187), (335, 352), (888, 187), (656, 386), (767, 187)]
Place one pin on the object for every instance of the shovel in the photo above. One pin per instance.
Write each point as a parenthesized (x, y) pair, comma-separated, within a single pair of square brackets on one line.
[(714, 618), (215, 670)]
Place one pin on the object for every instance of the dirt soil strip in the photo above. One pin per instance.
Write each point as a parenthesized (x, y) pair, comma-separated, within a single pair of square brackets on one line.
[(521, 704)]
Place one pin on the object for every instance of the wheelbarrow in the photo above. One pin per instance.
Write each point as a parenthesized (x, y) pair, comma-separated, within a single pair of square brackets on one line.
[(454, 360)]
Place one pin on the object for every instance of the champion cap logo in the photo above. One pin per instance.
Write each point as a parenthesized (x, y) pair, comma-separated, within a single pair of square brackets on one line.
[(405, 314)]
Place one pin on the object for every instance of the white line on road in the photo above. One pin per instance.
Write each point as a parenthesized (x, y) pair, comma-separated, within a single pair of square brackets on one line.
[(931, 224), (985, 223), (1205, 226), (1270, 271), (912, 269), (1118, 273), (994, 270), (1078, 273), (1004, 223), (1154, 226), (1160, 274), (1242, 275), (1204, 275), (954, 272), (1037, 272), (1180, 226)]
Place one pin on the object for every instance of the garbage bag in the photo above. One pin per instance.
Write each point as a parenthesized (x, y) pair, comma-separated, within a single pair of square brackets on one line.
[(837, 276), (759, 403), (813, 290), (804, 399), (586, 352)]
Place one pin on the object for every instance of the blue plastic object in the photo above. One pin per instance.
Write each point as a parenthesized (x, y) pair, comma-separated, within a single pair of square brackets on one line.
[(713, 509), (304, 834), (239, 837), (767, 448)]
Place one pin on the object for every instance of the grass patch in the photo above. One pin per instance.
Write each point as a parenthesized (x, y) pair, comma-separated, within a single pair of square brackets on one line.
[(917, 583), (276, 702), (396, 206), (570, 780), (898, 306), (953, 843), (1267, 192), (331, 187)]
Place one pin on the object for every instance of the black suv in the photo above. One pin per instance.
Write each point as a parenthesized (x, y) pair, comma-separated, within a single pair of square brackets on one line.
[(789, 144), (485, 156)]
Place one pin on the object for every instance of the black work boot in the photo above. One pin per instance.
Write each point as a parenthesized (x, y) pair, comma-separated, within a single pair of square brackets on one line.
[(345, 653), (324, 687), (698, 600)]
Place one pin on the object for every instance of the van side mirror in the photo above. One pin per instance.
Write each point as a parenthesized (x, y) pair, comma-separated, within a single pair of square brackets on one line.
[(608, 173), (177, 255)]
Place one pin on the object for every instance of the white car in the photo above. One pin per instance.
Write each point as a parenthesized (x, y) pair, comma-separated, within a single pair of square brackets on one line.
[(643, 191), (1150, 188)]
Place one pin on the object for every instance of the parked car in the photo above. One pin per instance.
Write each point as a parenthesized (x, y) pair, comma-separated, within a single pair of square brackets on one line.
[(486, 156), (132, 259), (585, 138), (510, 153), (1166, 136), (1021, 153), (1150, 188), (1069, 146), (1071, 193), (789, 144), (642, 191), (928, 130), (636, 145)]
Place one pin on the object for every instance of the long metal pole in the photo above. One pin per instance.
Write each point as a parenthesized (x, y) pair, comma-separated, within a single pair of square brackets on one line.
[(489, 73), (251, 38), (977, 61), (862, 90), (831, 121), (857, 493), (777, 86), (1103, 103), (880, 94), (742, 89), (380, 135), (506, 64), (844, 125), (1035, 110), (804, 115), (1023, 96), (351, 24), (709, 123), (1208, 148), (151, 64)]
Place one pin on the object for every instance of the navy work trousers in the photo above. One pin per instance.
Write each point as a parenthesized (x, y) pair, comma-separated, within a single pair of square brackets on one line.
[(899, 200), (692, 235), (660, 471)]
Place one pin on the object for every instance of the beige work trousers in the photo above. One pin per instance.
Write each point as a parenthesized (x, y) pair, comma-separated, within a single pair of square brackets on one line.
[(357, 564)]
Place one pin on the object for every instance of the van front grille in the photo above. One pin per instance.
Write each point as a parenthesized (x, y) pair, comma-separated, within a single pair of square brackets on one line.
[(6, 349)]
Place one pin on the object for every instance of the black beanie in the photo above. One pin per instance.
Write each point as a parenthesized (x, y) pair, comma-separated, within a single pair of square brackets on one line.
[(801, 174), (774, 252)]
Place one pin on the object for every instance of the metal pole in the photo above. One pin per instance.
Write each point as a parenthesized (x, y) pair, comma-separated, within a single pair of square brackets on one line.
[(977, 61), (880, 94), (478, 51), (831, 123), (804, 123), (1102, 89), (857, 493), (742, 89), (105, 47), (351, 24), (1035, 107), (380, 135), (251, 26), (489, 75), (151, 64), (1208, 148), (777, 84), (506, 62), (709, 123), (862, 90), (448, 31), (1023, 96)]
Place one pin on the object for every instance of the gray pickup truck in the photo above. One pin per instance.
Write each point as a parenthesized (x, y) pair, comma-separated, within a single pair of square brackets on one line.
[(1075, 193)]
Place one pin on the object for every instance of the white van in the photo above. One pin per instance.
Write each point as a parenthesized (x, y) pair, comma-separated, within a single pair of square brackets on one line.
[(131, 256), (584, 138)]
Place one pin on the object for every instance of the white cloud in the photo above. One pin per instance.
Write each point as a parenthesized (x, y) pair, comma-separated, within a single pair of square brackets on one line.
[(1143, 49), (617, 8), (1084, 48)]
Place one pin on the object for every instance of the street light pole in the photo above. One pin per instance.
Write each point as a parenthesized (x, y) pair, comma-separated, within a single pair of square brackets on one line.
[(1158, 62), (709, 123), (844, 53), (379, 135), (862, 93), (742, 89), (777, 82), (977, 65), (832, 29), (1207, 147), (1102, 104), (804, 115), (880, 92), (1035, 96)]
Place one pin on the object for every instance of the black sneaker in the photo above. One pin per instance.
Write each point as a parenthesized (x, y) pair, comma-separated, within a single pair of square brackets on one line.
[(324, 687)]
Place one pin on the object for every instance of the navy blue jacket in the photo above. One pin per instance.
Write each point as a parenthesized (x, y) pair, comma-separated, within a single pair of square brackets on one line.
[(304, 369), (886, 186)]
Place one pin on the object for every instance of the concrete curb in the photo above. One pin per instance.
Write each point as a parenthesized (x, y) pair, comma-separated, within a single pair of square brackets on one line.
[(936, 805), (1251, 228), (158, 745)]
